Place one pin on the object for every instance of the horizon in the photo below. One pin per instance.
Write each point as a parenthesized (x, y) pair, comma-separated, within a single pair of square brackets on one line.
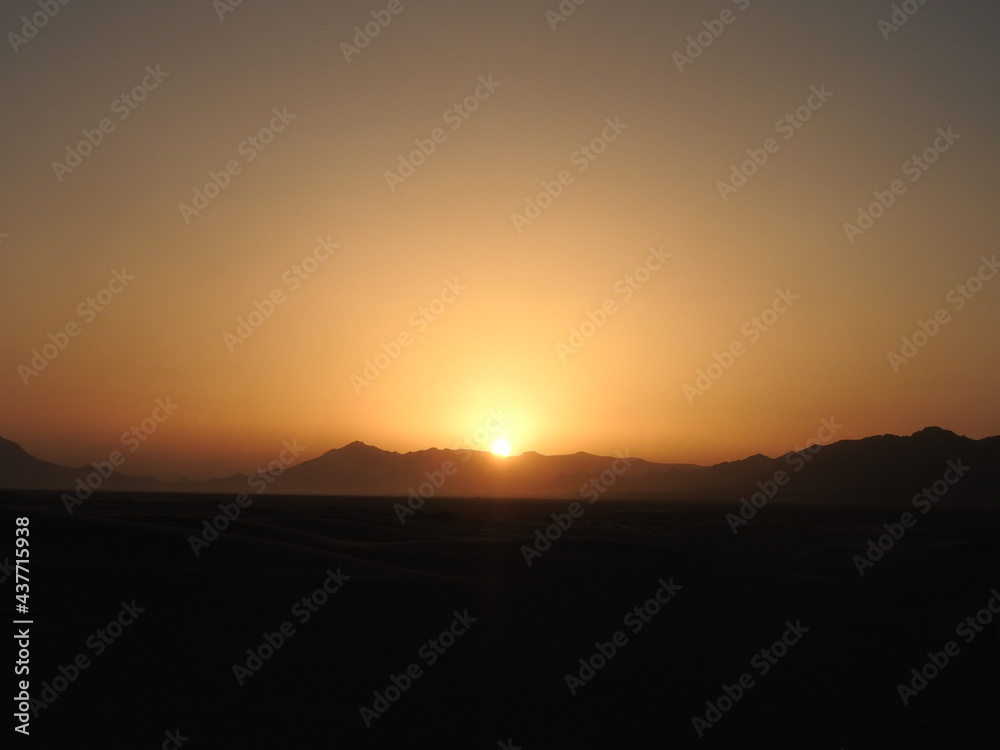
[(830, 432)]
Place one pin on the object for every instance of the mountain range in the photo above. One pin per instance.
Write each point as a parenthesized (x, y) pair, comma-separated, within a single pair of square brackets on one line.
[(847, 470)]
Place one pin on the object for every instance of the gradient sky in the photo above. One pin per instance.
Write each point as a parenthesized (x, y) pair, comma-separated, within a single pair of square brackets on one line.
[(494, 347)]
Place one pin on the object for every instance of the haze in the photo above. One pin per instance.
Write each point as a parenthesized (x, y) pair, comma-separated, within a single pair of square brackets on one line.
[(455, 198)]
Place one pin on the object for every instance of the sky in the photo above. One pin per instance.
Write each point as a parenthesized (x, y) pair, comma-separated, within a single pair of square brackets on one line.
[(691, 231)]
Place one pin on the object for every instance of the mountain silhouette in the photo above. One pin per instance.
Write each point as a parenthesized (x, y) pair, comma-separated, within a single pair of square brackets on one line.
[(860, 470), (20, 470), (872, 466)]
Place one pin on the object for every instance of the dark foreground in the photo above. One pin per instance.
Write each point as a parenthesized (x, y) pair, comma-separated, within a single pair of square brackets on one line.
[(469, 647)]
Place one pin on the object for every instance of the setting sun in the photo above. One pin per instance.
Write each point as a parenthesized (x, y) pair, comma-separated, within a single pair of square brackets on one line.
[(464, 349), (500, 447)]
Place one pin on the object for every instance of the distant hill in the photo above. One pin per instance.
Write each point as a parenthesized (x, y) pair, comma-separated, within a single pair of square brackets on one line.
[(359, 469), (22, 471), (875, 466), (871, 468)]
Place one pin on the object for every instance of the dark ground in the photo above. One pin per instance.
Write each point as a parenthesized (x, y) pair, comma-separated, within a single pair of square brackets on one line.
[(504, 679)]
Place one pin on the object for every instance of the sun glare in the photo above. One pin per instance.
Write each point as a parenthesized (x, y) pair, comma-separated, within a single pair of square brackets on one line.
[(500, 447)]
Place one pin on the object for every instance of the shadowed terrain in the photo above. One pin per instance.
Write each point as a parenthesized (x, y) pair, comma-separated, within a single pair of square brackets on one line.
[(504, 677)]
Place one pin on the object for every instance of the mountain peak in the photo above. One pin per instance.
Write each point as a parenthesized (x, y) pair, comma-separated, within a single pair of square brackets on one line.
[(8, 444), (935, 433), (357, 446)]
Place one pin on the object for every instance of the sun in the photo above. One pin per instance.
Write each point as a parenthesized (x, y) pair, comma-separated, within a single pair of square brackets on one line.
[(500, 447)]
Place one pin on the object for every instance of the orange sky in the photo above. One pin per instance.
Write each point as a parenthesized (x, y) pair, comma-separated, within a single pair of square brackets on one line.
[(483, 113)]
